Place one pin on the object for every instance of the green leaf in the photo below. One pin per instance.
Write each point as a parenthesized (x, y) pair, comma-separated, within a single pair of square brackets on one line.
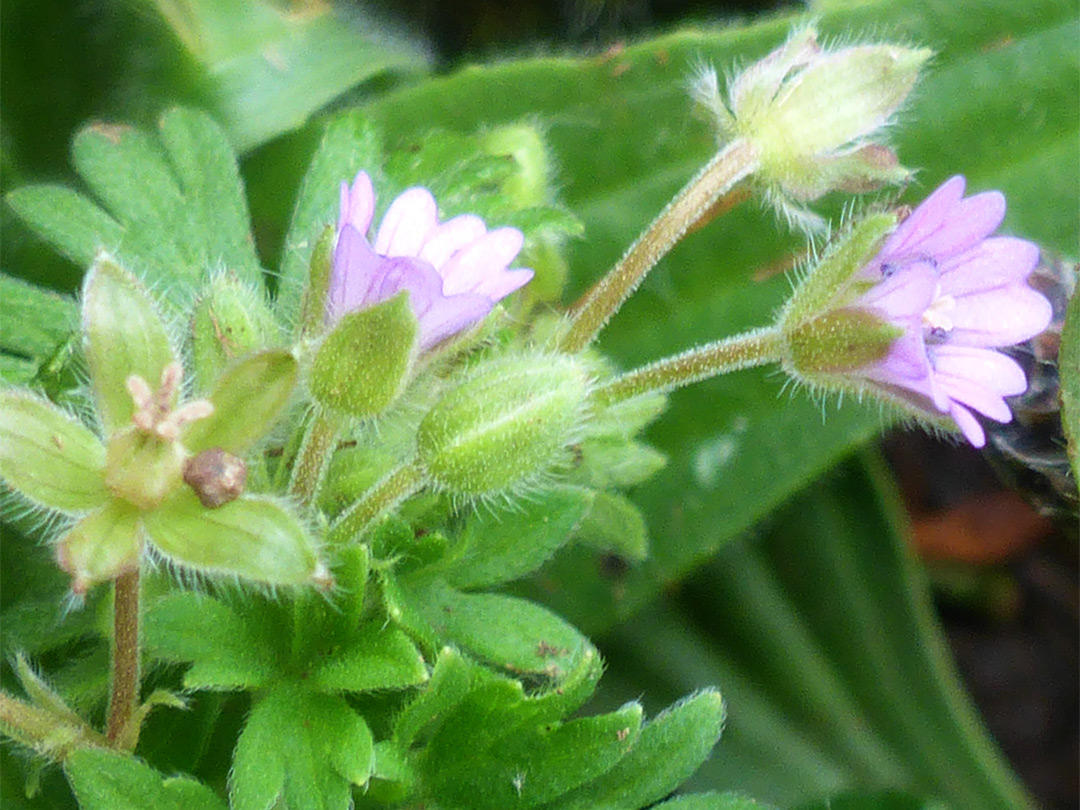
[(452, 678), (1069, 365), (508, 632), (485, 757), (47, 455), (35, 319), (124, 336), (363, 364), (497, 547), (251, 537), (617, 463), (671, 747), (224, 650), (73, 224), (890, 800), (614, 525), (216, 205), (711, 801), (375, 658), (248, 400), (329, 747), (105, 780), (622, 134), (350, 144)]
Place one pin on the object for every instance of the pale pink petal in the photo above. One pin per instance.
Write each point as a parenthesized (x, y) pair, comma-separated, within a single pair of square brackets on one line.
[(448, 315), (472, 269), (993, 263), (908, 292), (985, 367), (925, 220), (407, 224), (974, 396), (357, 204), (498, 286), (968, 425), (967, 223), (453, 235), (355, 269), (999, 317), (906, 362)]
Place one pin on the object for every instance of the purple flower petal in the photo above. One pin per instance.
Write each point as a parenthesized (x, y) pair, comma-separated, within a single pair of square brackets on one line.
[(472, 269), (448, 316), (354, 270), (357, 204), (453, 235), (903, 294), (992, 263), (968, 425), (999, 317), (407, 224), (991, 370), (925, 220), (967, 223)]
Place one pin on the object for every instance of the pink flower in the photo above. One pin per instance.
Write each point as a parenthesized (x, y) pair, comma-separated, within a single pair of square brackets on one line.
[(454, 271), (958, 294)]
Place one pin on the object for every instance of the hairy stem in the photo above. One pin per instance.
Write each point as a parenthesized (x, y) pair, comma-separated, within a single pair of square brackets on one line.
[(125, 654), (406, 480), (711, 360), (313, 458), (697, 199)]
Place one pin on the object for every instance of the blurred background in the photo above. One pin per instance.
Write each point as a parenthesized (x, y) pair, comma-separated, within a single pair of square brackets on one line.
[(997, 541)]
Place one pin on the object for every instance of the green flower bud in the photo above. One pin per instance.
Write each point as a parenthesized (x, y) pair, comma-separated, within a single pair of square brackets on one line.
[(101, 546), (230, 320), (48, 456), (507, 424), (528, 186), (364, 363), (124, 336)]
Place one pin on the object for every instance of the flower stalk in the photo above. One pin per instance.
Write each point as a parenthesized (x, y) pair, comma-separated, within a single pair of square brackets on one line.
[(313, 458), (125, 658), (755, 348), (406, 480), (733, 163)]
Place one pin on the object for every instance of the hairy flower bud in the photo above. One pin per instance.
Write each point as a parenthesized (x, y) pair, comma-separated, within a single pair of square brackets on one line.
[(506, 425)]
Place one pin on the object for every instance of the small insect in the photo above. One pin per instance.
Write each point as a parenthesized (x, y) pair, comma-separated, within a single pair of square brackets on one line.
[(1030, 451)]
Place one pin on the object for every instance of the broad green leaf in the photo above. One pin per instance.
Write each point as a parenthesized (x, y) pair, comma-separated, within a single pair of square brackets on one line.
[(105, 780), (329, 747), (267, 69), (452, 678), (251, 537), (889, 800), (349, 145), (497, 547), (375, 658), (622, 134), (506, 631), (1069, 366), (613, 524), (484, 757), (828, 590), (248, 400), (35, 320), (206, 169), (48, 456), (670, 748), (224, 651), (124, 336)]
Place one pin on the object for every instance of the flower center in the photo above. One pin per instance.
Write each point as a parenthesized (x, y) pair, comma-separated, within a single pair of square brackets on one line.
[(937, 318), (155, 412)]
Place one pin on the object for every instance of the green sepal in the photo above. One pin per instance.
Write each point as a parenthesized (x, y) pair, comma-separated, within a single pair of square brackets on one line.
[(507, 424), (849, 254), (248, 400), (230, 319), (839, 341), (124, 336), (364, 363), (616, 463), (142, 470), (376, 657), (101, 546), (47, 455), (251, 537), (313, 304)]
